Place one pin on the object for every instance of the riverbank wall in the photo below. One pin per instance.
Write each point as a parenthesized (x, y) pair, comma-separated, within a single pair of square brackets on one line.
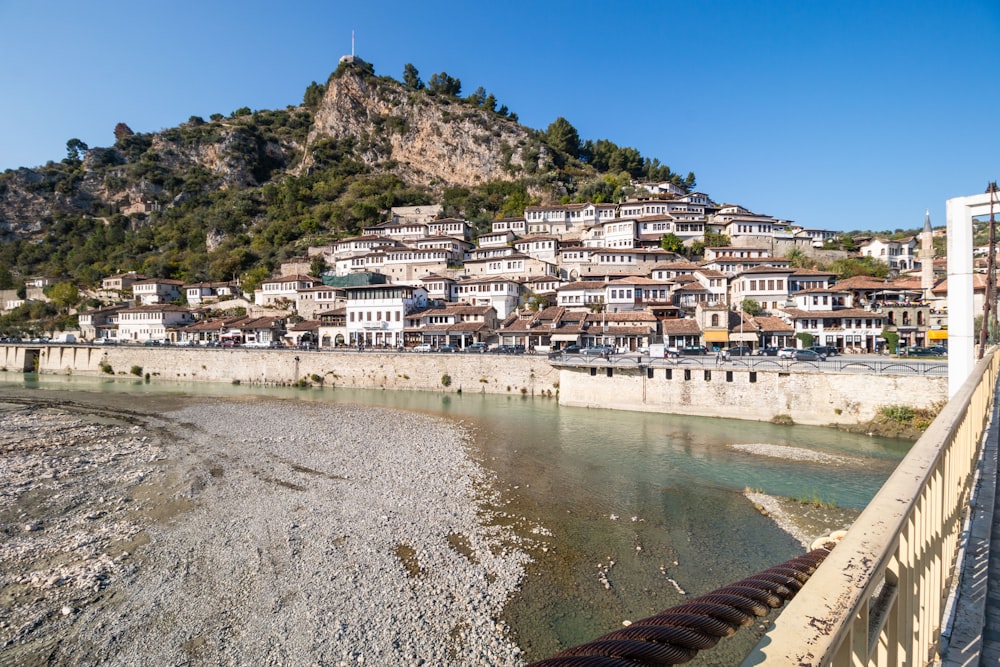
[(816, 397), (819, 397), (480, 373)]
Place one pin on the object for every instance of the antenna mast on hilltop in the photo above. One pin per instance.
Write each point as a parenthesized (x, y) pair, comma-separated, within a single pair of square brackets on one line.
[(352, 44)]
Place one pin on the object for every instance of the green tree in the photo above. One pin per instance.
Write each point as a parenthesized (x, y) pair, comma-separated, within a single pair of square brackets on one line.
[(6, 278), (672, 243), (411, 77), (891, 341), (796, 258), (313, 95), (751, 307), (76, 149), (442, 84), (562, 136), (478, 97), (806, 338), (715, 240), (317, 266), (253, 278), (847, 267), (64, 295)]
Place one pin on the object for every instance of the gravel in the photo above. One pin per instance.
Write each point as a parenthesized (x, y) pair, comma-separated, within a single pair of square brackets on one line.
[(249, 532)]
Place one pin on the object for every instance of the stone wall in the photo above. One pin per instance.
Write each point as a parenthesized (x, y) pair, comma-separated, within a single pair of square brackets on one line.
[(819, 398), (807, 397), (489, 373)]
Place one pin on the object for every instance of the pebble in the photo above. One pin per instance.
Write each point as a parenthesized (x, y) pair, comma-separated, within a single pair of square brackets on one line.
[(317, 510)]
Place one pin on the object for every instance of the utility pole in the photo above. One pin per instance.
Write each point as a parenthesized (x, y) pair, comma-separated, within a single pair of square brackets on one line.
[(989, 308)]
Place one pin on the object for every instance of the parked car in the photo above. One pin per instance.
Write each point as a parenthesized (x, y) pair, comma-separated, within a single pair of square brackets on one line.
[(598, 351), (787, 353), (739, 351), (447, 348), (694, 349), (825, 350), (940, 350), (808, 355), (571, 349), (918, 351), (423, 347), (768, 351), (477, 347)]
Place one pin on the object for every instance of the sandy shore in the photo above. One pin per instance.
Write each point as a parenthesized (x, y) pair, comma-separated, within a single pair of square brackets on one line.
[(247, 532)]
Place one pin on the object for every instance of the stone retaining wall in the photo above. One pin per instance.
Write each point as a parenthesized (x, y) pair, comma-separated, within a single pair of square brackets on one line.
[(806, 397)]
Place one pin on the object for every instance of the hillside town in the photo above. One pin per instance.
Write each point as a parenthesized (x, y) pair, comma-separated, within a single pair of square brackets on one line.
[(559, 276)]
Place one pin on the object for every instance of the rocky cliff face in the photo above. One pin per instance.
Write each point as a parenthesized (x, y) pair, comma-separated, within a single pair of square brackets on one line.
[(423, 138)]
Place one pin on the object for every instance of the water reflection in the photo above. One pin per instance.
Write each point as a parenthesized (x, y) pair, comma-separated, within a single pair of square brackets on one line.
[(639, 506)]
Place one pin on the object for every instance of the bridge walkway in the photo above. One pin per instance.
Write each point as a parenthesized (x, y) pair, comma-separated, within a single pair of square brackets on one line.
[(974, 636)]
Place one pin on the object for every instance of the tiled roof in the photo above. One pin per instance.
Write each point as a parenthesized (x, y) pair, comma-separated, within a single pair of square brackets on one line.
[(684, 327)]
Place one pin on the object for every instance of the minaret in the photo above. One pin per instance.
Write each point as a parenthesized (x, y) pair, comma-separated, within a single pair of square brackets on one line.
[(927, 258)]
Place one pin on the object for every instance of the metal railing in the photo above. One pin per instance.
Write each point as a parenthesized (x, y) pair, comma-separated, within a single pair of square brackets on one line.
[(879, 597), (858, 365)]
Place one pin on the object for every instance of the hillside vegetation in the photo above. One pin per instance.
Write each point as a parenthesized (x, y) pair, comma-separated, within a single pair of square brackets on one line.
[(233, 196)]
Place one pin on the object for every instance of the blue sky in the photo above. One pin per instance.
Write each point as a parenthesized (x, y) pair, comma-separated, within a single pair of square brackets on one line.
[(838, 115)]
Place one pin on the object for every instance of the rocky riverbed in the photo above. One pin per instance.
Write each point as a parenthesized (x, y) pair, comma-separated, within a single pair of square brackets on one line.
[(249, 531)]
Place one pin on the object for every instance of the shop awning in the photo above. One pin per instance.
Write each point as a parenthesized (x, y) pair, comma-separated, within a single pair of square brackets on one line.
[(937, 334), (716, 336)]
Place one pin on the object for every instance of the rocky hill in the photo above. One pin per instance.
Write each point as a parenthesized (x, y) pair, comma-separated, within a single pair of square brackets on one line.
[(215, 198)]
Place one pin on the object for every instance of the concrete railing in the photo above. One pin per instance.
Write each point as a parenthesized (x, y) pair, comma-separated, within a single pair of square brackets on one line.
[(878, 599)]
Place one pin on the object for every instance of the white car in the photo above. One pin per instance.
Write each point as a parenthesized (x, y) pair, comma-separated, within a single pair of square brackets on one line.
[(786, 353), (424, 347)]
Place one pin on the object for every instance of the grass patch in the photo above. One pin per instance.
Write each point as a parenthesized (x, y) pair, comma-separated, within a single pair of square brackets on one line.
[(814, 501)]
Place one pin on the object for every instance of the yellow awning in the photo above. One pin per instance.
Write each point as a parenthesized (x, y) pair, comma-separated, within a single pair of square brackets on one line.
[(716, 336), (937, 334)]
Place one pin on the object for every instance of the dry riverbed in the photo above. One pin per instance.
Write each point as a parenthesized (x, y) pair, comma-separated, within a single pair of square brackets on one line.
[(246, 532)]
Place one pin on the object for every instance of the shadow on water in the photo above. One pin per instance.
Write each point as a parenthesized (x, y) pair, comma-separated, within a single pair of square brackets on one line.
[(628, 513)]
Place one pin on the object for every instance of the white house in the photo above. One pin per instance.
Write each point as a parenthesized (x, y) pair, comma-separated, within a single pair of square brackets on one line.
[(767, 285), (282, 291), (376, 313), (581, 294), (504, 294), (899, 255), (151, 322), (156, 290), (827, 314)]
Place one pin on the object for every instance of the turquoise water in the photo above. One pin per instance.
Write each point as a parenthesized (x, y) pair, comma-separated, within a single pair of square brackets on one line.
[(658, 495)]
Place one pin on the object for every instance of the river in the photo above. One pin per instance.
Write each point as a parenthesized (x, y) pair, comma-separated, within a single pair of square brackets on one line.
[(627, 509)]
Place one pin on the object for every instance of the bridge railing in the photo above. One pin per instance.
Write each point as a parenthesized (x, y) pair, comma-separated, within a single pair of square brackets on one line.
[(879, 597)]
